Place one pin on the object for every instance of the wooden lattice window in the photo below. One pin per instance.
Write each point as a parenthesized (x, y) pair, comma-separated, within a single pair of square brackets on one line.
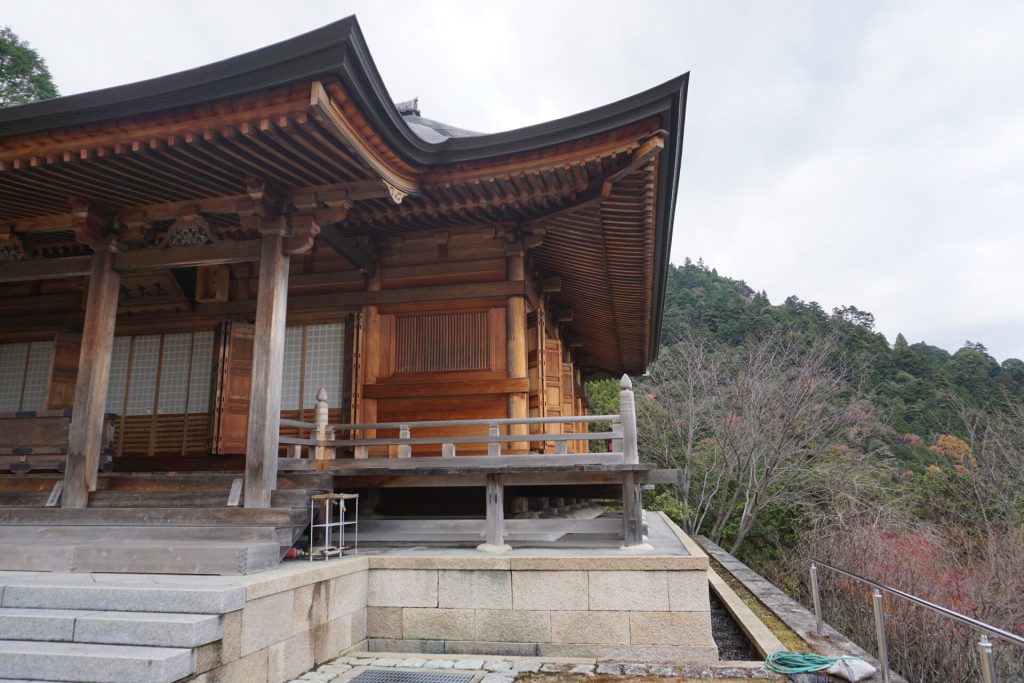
[(24, 375), (160, 389), (314, 357), (161, 374), (442, 342)]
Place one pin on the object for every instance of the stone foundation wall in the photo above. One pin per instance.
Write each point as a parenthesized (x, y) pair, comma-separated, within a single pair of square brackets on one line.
[(641, 607), (570, 604), (294, 618)]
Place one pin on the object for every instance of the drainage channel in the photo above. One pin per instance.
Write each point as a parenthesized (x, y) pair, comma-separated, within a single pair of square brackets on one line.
[(396, 676)]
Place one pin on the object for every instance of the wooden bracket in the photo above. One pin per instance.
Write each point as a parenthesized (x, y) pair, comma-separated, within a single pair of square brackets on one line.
[(11, 246), (359, 256), (90, 222), (552, 285), (303, 229)]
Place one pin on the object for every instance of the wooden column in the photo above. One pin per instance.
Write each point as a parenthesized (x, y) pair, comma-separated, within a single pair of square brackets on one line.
[(519, 402), (267, 365), (85, 435)]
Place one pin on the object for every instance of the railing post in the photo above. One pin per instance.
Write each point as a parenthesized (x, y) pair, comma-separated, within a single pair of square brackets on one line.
[(404, 450), (883, 644), (816, 597), (627, 411), (988, 662), (320, 419), (494, 447), (447, 450)]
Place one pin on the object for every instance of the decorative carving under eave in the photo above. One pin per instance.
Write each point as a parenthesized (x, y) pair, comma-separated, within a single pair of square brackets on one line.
[(188, 230), (394, 193), (11, 246)]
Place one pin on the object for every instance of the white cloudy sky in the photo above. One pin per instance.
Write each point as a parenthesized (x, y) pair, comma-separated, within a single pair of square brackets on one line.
[(866, 153)]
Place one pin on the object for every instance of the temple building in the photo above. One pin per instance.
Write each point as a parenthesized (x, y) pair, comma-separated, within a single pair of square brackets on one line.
[(231, 289)]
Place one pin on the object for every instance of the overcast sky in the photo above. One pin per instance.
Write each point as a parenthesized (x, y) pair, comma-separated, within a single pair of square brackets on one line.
[(864, 153)]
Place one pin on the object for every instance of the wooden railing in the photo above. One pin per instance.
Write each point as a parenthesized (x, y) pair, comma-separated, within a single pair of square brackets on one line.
[(620, 461), (322, 444)]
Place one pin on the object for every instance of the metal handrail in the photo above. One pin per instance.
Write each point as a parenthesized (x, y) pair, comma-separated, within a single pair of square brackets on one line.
[(984, 646)]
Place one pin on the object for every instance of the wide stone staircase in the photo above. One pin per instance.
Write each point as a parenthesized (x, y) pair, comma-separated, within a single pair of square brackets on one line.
[(174, 523), (89, 628)]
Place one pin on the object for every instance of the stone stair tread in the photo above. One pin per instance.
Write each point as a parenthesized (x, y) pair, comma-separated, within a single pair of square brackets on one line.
[(163, 629), (59, 593), (94, 663), (149, 628)]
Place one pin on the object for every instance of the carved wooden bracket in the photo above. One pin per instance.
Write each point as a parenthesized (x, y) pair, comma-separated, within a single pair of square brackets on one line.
[(11, 246), (303, 228), (260, 206), (394, 194)]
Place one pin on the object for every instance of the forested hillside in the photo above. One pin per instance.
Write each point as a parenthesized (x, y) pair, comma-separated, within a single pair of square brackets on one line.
[(916, 388), (804, 433)]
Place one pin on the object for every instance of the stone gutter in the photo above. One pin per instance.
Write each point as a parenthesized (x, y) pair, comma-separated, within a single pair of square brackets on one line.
[(831, 643)]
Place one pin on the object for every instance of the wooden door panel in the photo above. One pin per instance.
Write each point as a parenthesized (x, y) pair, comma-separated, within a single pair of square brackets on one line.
[(231, 398)]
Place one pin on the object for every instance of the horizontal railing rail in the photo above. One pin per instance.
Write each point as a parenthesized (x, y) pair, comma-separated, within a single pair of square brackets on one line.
[(439, 440), (984, 646), (504, 421)]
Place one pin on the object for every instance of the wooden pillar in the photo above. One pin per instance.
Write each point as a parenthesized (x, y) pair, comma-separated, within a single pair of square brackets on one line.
[(86, 433), (632, 510), (267, 364), (518, 402)]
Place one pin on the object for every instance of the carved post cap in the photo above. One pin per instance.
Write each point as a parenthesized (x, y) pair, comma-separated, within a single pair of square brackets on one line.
[(626, 382), (321, 395)]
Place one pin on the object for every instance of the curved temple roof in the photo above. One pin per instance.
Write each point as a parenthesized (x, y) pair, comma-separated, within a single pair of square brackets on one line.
[(339, 51)]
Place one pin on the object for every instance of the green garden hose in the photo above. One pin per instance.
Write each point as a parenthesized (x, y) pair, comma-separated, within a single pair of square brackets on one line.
[(798, 662)]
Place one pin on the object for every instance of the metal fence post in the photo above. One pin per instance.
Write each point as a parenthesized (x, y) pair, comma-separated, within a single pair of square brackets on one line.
[(883, 644), (988, 662), (816, 596)]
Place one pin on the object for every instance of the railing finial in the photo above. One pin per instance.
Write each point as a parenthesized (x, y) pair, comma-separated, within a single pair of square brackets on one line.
[(321, 396), (625, 382)]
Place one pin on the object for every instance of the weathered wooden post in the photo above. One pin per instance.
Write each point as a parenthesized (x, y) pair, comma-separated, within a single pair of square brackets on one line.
[(267, 366), (632, 510), (627, 412), (495, 525), (404, 450), (632, 505), (494, 447), (86, 433), (321, 432)]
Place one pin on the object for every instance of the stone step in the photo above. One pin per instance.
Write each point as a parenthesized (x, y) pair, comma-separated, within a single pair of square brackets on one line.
[(112, 628), (119, 594), (92, 663), (183, 557)]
